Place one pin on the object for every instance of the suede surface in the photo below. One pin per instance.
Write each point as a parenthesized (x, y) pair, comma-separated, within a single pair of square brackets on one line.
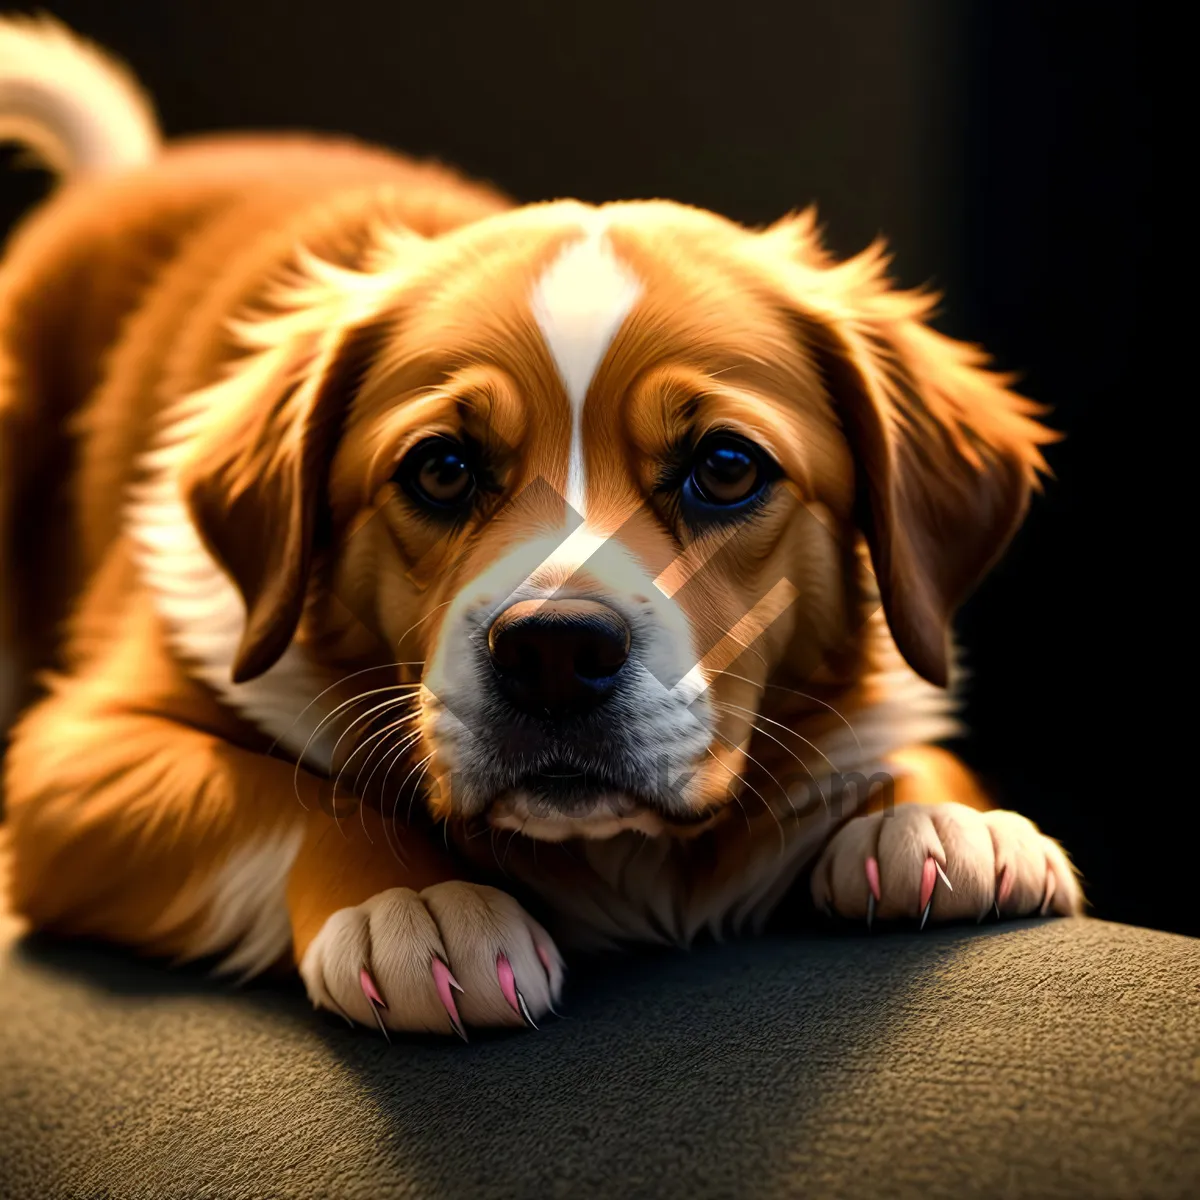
[(1041, 1058)]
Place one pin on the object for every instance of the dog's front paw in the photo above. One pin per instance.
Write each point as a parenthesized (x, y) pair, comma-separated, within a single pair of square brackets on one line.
[(453, 955), (943, 862)]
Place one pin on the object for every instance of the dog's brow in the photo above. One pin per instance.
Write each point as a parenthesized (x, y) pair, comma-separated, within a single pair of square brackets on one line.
[(580, 302)]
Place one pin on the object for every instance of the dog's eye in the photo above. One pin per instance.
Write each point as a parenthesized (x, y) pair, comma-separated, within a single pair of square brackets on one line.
[(726, 471), (438, 474)]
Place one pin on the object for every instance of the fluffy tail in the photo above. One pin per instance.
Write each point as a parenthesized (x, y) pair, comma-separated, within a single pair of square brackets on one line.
[(78, 111)]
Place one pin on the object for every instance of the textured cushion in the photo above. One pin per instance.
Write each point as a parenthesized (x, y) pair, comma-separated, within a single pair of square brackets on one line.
[(1054, 1058)]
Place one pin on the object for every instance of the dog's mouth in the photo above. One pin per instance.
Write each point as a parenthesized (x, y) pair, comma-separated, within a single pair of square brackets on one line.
[(561, 800), (569, 790)]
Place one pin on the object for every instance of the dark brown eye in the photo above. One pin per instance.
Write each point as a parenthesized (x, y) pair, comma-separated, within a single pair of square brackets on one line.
[(726, 471), (438, 473)]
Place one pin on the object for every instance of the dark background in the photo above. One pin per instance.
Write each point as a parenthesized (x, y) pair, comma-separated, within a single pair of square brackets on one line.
[(1003, 149)]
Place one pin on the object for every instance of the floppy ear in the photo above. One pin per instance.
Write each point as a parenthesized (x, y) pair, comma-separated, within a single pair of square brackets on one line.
[(946, 453), (255, 483), (258, 460)]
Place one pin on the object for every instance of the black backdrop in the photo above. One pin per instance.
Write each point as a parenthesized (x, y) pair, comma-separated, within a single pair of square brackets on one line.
[(1001, 146)]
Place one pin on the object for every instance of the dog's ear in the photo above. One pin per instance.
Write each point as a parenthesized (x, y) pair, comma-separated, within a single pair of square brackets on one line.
[(255, 478), (946, 453), (255, 483)]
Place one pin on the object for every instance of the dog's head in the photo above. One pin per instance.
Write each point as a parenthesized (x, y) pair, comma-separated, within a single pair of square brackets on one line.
[(605, 474)]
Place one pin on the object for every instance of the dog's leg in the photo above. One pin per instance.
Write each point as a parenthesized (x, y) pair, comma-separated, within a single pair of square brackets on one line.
[(138, 828), (941, 854), (435, 954)]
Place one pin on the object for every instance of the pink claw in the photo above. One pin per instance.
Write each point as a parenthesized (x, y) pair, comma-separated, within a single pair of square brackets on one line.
[(872, 868), (1005, 886), (508, 983), (928, 879), (374, 999), (444, 981), (369, 989)]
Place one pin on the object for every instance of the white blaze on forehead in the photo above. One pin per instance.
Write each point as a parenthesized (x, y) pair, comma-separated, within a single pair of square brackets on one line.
[(579, 303)]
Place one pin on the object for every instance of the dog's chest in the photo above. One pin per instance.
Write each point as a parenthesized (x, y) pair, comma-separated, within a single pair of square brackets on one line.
[(633, 888)]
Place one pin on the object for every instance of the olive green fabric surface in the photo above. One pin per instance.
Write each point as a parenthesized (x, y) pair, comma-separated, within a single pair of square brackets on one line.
[(1045, 1058)]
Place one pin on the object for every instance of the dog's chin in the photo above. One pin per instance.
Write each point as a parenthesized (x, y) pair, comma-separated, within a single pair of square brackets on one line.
[(602, 816), (553, 808)]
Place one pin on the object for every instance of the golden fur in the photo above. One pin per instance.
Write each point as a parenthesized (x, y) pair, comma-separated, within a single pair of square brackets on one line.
[(211, 361)]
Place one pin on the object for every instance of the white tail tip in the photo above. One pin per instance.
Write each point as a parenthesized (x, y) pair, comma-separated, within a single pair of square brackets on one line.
[(76, 109)]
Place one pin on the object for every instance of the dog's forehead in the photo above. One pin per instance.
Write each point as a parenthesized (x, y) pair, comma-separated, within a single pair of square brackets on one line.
[(574, 306), (579, 303), (576, 274)]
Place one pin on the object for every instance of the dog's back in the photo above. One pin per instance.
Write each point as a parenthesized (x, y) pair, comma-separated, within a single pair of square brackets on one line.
[(138, 232)]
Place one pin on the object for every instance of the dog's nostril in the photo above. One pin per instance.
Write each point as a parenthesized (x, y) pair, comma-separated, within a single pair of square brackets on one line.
[(559, 657), (599, 662)]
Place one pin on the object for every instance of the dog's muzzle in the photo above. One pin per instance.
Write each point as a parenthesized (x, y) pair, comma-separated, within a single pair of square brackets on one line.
[(553, 722), (557, 663)]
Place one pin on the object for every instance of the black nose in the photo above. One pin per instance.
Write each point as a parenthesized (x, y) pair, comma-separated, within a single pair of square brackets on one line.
[(558, 657)]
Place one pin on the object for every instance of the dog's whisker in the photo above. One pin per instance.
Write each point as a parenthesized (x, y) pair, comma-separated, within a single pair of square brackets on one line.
[(397, 756), (736, 775), (348, 703), (780, 725), (362, 820), (400, 790), (416, 787), (392, 701), (503, 858), (395, 752), (760, 766), (795, 692), (770, 809), (392, 758), (363, 743), (373, 740), (418, 624), (378, 736), (383, 748), (383, 707), (406, 741), (787, 750), (336, 684), (397, 852)]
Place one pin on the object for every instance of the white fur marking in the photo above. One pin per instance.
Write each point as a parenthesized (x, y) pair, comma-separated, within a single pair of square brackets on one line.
[(580, 303), (246, 904), (78, 109), (249, 907)]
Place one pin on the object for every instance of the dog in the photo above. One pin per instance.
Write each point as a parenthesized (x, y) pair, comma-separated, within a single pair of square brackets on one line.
[(387, 563)]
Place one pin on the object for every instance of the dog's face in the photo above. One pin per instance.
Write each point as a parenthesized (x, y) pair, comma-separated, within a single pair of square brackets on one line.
[(603, 475)]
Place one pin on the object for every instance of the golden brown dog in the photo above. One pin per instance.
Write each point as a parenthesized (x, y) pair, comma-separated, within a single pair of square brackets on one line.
[(369, 540)]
